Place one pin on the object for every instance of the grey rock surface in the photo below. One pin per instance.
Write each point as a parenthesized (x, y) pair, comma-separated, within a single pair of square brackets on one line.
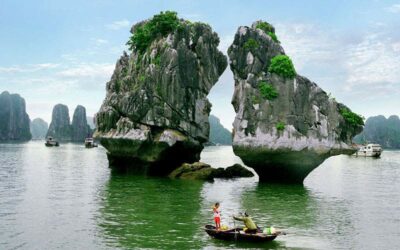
[(60, 127), (286, 137), (79, 127), (155, 114), (14, 121), (203, 171)]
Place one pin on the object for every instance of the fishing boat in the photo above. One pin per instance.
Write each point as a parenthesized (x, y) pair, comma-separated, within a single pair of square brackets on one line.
[(369, 150), (89, 143), (237, 234), (51, 142)]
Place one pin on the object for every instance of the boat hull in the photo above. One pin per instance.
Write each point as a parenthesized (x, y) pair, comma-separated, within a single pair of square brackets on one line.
[(238, 235), (368, 154)]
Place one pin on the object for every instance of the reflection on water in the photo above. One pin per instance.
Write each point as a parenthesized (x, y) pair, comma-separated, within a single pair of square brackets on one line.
[(289, 207), (368, 191), (150, 213), (66, 198)]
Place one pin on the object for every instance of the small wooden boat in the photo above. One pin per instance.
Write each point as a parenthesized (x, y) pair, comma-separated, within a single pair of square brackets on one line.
[(50, 142), (89, 143), (237, 234)]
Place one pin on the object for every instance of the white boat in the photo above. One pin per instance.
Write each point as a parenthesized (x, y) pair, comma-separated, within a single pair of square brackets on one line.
[(51, 142), (89, 143), (369, 150)]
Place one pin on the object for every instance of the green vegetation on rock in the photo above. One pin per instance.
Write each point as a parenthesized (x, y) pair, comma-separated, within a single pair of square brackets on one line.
[(273, 36), (160, 25), (352, 118), (251, 44), (266, 27), (157, 60), (267, 90), (283, 66), (255, 99), (280, 126)]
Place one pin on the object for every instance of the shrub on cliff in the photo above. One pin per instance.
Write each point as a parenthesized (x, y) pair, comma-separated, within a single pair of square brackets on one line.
[(266, 27), (280, 126), (283, 66), (251, 44), (267, 90), (352, 118), (160, 25), (274, 37)]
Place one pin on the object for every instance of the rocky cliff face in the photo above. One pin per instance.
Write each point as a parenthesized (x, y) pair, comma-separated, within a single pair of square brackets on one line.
[(285, 124), (155, 115), (378, 129), (90, 121), (14, 121), (60, 127), (218, 133), (79, 127), (38, 129)]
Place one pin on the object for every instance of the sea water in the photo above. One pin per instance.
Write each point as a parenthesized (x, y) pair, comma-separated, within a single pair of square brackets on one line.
[(67, 198)]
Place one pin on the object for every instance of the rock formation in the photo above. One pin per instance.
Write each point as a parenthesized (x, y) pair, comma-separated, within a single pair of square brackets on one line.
[(155, 115), (60, 127), (378, 129), (90, 121), (39, 129), (218, 133), (79, 127), (203, 171), (14, 121), (285, 125)]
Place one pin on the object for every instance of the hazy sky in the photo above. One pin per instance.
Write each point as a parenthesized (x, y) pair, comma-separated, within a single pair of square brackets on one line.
[(64, 52)]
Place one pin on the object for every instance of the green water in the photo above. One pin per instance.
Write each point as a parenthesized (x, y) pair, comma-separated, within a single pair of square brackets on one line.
[(67, 198)]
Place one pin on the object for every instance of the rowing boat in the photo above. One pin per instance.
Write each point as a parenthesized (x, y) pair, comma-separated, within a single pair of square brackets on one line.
[(237, 234)]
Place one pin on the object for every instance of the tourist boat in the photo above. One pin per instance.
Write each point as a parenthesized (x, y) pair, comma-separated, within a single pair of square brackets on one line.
[(50, 142), (89, 143), (237, 234), (371, 150)]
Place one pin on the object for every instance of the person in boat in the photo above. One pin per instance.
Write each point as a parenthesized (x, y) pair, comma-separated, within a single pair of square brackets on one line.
[(217, 216), (251, 227)]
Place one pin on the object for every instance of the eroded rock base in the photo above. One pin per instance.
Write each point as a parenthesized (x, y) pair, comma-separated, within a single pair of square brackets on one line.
[(147, 158), (282, 166)]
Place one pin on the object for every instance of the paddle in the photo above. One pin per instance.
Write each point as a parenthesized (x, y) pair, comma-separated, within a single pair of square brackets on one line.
[(234, 226)]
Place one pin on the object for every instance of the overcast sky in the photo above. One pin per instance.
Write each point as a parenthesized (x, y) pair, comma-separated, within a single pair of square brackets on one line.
[(64, 52)]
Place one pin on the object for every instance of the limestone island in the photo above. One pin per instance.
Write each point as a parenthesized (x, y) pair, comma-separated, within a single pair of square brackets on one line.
[(155, 114), (285, 125)]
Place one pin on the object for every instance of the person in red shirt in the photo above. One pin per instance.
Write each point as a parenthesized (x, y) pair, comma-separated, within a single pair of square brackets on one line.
[(217, 216)]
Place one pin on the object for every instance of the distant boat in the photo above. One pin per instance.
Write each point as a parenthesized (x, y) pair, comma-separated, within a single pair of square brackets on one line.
[(89, 143), (369, 150), (50, 142)]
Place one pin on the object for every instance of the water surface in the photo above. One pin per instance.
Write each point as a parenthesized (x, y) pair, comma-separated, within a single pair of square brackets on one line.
[(67, 198)]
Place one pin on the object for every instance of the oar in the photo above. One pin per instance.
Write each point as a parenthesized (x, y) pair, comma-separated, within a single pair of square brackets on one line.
[(234, 226)]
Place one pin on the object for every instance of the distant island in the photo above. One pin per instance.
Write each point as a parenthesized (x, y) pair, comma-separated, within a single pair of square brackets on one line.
[(378, 129), (218, 133), (61, 128), (15, 124), (39, 129), (14, 121)]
